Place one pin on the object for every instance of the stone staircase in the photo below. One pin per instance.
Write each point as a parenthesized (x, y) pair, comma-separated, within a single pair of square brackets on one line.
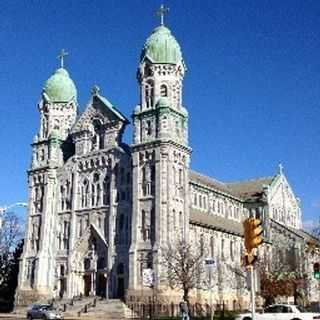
[(95, 308), (112, 309), (89, 309)]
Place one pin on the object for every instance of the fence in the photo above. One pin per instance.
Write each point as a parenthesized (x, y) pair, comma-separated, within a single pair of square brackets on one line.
[(158, 310)]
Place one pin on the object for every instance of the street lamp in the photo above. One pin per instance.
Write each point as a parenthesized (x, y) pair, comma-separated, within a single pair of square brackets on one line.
[(4, 209)]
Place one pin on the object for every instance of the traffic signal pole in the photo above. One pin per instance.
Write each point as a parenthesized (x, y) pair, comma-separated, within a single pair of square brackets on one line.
[(253, 298), (252, 240)]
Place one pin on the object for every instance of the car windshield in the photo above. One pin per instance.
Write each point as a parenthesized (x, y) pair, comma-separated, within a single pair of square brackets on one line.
[(47, 308)]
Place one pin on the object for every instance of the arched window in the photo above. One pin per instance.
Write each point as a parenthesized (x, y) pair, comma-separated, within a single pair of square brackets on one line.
[(62, 197), (84, 193), (148, 128), (98, 194), (212, 246), (222, 249), (93, 194), (149, 94), (202, 244), (106, 190), (143, 225), (232, 250), (181, 226), (62, 270), (180, 177), (97, 141), (163, 90)]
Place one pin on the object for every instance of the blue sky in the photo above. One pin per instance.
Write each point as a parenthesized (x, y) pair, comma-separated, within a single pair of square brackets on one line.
[(252, 88)]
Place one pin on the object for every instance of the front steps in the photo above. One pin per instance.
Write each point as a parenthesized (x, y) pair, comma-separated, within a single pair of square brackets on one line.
[(97, 309)]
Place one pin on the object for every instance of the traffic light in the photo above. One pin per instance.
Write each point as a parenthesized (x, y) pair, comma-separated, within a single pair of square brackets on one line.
[(252, 234), (316, 270), (249, 260)]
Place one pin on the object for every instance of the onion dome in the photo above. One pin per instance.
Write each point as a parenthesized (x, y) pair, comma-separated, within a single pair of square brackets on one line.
[(60, 87), (161, 47)]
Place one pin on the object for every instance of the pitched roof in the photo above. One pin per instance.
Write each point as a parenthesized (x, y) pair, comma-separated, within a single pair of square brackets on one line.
[(215, 222), (112, 108), (211, 183), (106, 105), (250, 189)]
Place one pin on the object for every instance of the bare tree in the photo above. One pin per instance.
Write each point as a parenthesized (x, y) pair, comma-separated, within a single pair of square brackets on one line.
[(184, 267), (282, 272), (11, 232)]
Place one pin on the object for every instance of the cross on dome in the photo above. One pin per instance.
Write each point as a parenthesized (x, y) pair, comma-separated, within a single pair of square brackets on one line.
[(161, 12), (61, 56)]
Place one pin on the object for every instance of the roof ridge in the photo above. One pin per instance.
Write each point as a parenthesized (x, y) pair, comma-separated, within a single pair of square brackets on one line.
[(250, 180), (208, 177)]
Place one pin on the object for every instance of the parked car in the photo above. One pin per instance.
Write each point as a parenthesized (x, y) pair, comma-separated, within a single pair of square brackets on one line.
[(281, 312), (43, 311)]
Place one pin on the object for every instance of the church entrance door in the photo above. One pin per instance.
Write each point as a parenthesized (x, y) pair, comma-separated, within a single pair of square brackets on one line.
[(120, 288), (63, 286), (101, 285), (87, 284)]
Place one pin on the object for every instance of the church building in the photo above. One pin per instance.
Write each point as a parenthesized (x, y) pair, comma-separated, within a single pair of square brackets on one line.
[(101, 211)]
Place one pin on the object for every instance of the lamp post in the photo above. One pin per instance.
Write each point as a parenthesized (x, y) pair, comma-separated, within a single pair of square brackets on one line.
[(4, 209)]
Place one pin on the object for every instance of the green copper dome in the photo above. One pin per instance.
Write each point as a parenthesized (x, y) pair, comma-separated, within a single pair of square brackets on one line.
[(162, 47), (60, 87)]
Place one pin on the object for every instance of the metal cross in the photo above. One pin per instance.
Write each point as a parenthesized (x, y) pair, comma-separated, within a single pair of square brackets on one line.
[(95, 90), (280, 168), (61, 56), (161, 12)]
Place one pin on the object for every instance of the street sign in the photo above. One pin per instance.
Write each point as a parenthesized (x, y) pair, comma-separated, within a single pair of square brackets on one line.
[(148, 277), (209, 263)]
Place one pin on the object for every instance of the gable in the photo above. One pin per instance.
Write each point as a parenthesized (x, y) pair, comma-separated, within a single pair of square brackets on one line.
[(284, 207), (99, 108)]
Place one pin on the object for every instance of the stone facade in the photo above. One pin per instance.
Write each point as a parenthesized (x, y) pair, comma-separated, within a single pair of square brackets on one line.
[(100, 211)]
